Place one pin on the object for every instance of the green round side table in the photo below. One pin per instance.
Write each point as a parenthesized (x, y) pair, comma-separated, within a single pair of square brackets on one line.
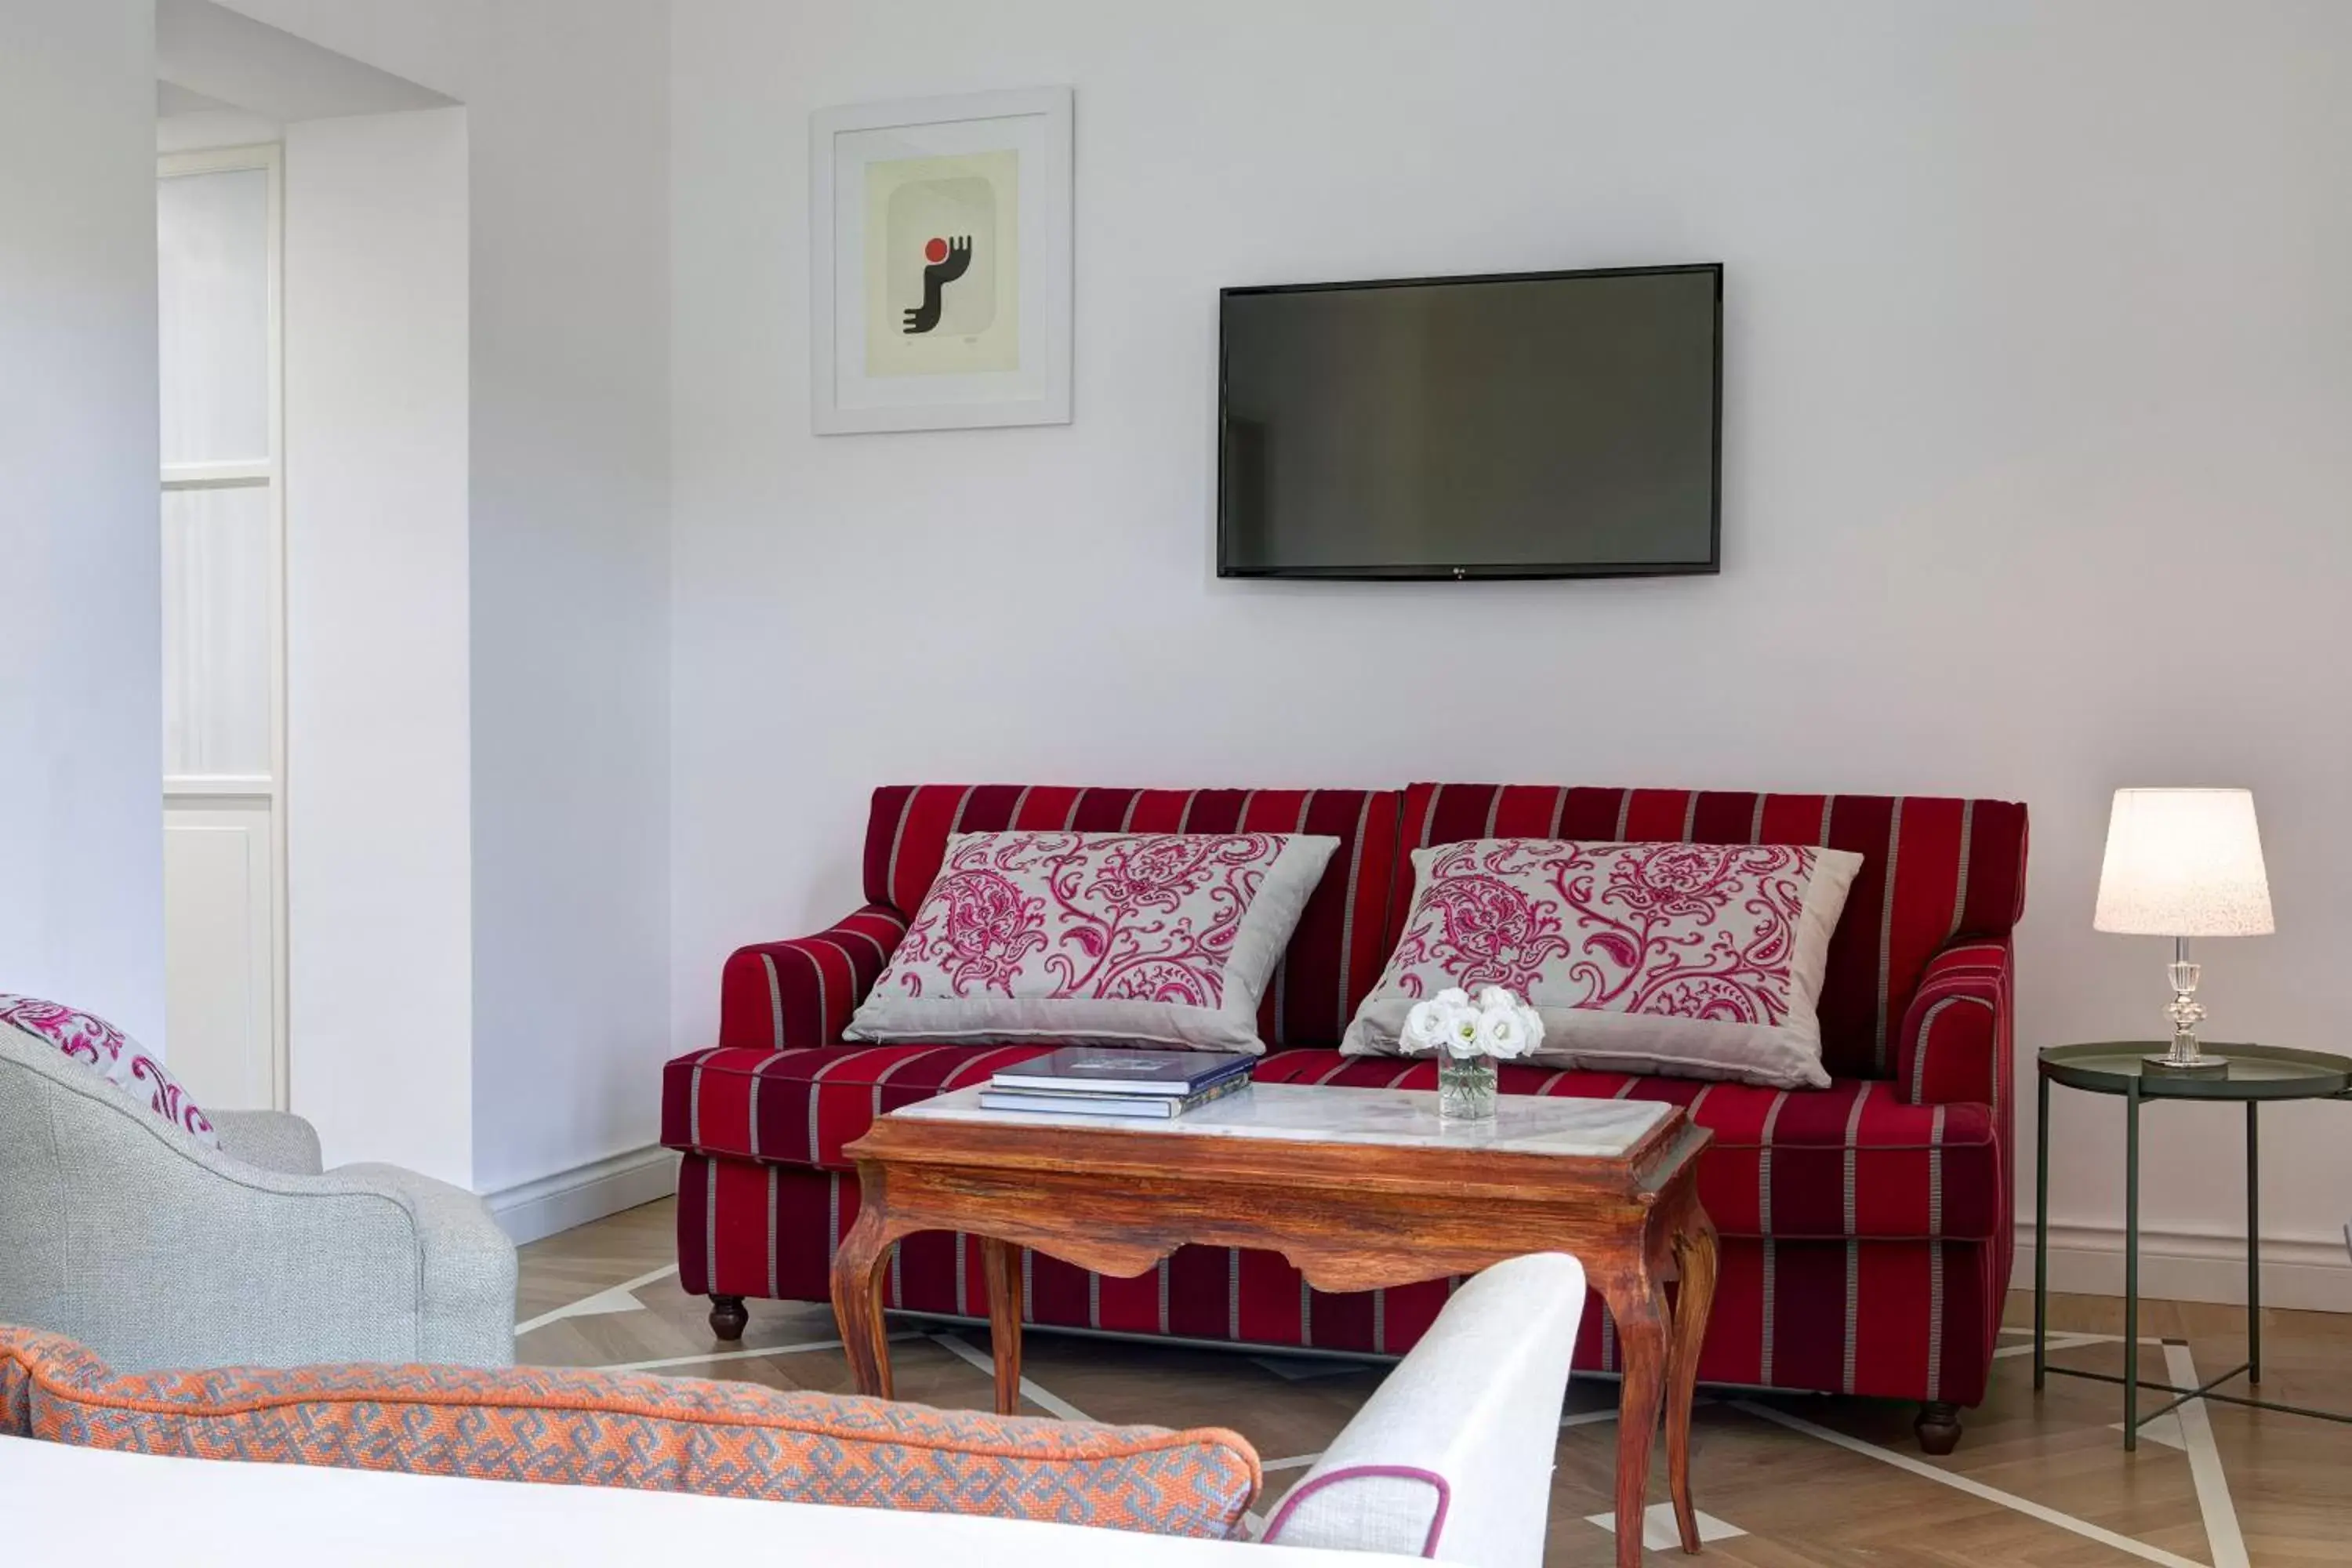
[(2256, 1073)]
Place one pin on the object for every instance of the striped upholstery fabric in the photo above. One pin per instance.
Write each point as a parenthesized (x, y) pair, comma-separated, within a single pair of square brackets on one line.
[(1855, 1158), (1899, 1319), (800, 1106), (801, 993), (1934, 869), (1852, 1160), (1867, 1241), (1336, 954), (655, 1434), (1953, 1043)]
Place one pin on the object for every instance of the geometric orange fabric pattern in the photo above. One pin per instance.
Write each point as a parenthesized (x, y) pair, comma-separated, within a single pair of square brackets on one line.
[(618, 1429)]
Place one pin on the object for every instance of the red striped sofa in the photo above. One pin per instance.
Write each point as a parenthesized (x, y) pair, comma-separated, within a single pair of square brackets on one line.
[(1866, 1236)]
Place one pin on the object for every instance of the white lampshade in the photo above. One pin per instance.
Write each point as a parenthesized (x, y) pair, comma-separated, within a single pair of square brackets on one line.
[(2184, 862)]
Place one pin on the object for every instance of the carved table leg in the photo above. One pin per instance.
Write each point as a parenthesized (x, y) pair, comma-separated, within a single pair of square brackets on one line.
[(1638, 1304), (858, 1297), (1696, 1250), (1001, 1260)]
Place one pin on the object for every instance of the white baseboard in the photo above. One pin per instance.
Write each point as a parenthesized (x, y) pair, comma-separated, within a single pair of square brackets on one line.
[(2311, 1273), (530, 1210)]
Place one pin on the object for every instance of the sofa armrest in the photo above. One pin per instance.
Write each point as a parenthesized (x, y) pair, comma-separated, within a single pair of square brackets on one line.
[(787, 995), (1954, 1045), (1452, 1456)]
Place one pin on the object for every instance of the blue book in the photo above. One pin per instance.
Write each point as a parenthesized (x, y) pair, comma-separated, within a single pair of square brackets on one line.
[(1151, 1107), (1103, 1069)]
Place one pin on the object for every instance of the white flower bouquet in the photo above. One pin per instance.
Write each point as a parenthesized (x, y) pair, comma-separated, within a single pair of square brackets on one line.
[(1469, 1036), (1497, 1025)]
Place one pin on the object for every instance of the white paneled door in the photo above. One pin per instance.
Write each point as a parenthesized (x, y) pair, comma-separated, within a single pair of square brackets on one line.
[(220, 907), (217, 245)]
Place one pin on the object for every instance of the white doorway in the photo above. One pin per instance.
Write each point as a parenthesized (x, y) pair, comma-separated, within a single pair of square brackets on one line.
[(219, 231)]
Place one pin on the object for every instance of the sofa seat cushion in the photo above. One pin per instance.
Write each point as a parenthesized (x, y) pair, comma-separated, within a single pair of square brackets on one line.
[(799, 1107), (1851, 1159), (620, 1429)]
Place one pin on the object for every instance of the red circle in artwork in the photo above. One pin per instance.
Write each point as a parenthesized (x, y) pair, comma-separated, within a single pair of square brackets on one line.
[(936, 250)]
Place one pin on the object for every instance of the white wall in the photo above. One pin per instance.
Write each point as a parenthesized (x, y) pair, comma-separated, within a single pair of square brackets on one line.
[(2037, 381), (81, 547), (570, 586), (379, 801), (567, 112)]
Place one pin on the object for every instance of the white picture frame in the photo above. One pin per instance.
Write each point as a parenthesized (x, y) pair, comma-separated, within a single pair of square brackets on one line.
[(899, 341)]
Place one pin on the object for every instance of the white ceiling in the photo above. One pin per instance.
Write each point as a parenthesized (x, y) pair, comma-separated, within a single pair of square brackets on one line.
[(208, 58), (173, 99)]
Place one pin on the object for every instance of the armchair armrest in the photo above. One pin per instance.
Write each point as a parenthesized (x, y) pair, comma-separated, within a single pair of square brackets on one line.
[(119, 1230), (787, 995), (465, 1264), (1954, 1045), (1452, 1456), (270, 1139)]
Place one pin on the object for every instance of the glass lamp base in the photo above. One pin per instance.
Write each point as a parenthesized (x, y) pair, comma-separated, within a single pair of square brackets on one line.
[(2186, 1059), (2157, 1064)]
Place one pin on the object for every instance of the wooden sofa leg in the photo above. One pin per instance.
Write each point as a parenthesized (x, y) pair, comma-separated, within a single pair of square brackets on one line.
[(729, 1316), (1939, 1426)]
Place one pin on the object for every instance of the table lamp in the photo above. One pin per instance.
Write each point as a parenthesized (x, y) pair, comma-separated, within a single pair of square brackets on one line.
[(2183, 863)]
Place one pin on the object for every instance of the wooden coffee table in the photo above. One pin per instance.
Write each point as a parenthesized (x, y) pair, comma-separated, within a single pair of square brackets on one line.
[(1358, 1187)]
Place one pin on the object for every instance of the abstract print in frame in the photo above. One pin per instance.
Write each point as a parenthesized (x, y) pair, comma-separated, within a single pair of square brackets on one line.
[(940, 264)]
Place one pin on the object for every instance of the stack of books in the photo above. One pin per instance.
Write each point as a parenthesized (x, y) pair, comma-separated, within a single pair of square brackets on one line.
[(1094, 1081)]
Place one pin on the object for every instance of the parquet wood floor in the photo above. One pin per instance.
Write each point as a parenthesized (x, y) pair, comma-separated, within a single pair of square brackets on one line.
[(2039, 1481)]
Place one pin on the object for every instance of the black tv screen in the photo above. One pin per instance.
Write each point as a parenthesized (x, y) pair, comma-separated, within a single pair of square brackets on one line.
[(1531, 424)]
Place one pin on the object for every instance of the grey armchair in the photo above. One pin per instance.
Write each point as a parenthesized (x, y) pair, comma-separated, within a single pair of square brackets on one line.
[(121, 1231)]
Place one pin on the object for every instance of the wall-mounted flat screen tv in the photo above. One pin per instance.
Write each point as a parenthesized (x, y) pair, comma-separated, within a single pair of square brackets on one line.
[(1529, 425)]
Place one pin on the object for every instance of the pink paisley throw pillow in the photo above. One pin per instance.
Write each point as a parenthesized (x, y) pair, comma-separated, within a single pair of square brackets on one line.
[(1133, 939), (1701, 960), (113, 1056)]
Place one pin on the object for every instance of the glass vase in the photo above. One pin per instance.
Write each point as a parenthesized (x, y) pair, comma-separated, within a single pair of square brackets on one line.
[(1465, 1087)]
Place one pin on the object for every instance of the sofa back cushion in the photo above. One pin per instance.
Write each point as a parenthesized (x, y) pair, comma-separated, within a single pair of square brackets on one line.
[(1146, 940), (1935, 868), (1341, 939), (656, 1434)]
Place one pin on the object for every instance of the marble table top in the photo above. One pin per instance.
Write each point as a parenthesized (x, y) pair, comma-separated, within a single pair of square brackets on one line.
[(1311, 1113)]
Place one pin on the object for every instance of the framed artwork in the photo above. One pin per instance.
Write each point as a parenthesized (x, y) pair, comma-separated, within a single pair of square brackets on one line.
[(940, 269)]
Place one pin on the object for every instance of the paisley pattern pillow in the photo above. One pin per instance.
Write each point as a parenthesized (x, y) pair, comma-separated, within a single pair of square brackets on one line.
[(1134, 939), (111, 1054), (1703, 960)]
